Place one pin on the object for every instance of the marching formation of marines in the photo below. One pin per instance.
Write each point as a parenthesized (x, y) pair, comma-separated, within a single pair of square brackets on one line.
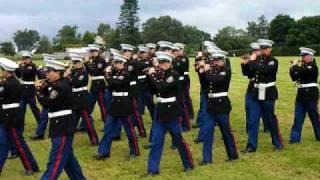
[(156, 78)]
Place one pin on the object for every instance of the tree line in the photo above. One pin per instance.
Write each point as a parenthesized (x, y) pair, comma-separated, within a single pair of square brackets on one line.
[(283, 29)]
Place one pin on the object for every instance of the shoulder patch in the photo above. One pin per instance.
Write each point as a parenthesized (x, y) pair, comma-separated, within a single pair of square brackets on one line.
[(170, 79), (223, 73), (81, 78), (271, 63), (53, 94), (130, 68)]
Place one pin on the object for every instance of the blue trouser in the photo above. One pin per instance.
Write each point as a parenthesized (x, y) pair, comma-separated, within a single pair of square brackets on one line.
[(201, 114), (256, 110), (107, 100), (188, 101), (98, 95), (24, 101), (110, 129), (26, 157), (62, 157), (300, 114), (145, 99), (88, 120), (42, 126), (222, 120), (159, 130), (248, 101), (136, 117)]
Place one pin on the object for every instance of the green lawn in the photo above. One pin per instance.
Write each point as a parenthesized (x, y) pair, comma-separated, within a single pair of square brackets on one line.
[(294, 162)]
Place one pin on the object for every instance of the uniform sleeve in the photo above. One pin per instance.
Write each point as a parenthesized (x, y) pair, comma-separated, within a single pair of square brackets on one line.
[(294, 72)]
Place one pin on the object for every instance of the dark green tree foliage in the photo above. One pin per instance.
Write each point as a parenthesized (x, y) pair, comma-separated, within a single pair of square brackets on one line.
[(45, 45), (128, 23), (230, 38), (66, 36), (279, 28), (88, 38), (7, 48), (26, 39)]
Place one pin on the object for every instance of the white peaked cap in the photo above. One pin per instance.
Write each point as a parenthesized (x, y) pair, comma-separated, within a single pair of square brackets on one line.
[(164, 56), (113, 51), (165, 44), (94, 47), (265, 43), (143, 49), (255, 46), (8, 64), (151, 45), (218, 54), (76, 57), (308, 51), (180, 45), (119, 57), (128, 47), (208, 43), (26, 54), (57, 65)]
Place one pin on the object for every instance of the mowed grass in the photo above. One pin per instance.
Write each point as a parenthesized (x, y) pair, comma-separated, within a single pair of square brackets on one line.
[(294, 162)]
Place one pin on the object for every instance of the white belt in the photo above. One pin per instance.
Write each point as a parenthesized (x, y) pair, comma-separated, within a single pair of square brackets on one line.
[(308, 85), (181, 78), (133, 83), (186, 73), (10, 106), (166, 100), (142, 77), (216, 95), (79, 89), (97, 77), (27, 82), (120, 94), (262, 89), (59, 113)]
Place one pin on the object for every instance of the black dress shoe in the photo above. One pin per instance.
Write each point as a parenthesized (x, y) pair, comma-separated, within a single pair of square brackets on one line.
[(13, 156), (248, 150), (147, 146), (197, 141), (37, 137), (133, 156), (204, 163), (188, 170), (29, 173), (278, 148), (152, 174), (232, 159), (102, 157), (117, 138)]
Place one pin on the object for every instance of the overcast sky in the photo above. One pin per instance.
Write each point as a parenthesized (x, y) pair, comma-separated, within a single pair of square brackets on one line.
[(48, 16)]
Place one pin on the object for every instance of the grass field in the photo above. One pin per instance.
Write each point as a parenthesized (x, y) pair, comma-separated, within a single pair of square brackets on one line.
[(294, 162)]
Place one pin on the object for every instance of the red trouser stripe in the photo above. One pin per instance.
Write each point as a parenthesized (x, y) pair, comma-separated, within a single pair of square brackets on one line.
[(134, 137), (101, 105), (59, 157), (189, 156), (137, 116), (21, 150), (89, 127)]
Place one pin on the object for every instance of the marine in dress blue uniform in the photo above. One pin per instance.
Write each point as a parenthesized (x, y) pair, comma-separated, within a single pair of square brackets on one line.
[(265, 94), (217, 75), (119, 84), (11, 121), (306, 75), (57, 97), (165, 82)]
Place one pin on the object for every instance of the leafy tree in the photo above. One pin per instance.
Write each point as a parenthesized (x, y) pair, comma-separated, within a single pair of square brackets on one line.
[(128, 23), (45, 45), (67, 35), (88, 38), (279, 28), (26, 39), (7, 48), (230, 38)]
